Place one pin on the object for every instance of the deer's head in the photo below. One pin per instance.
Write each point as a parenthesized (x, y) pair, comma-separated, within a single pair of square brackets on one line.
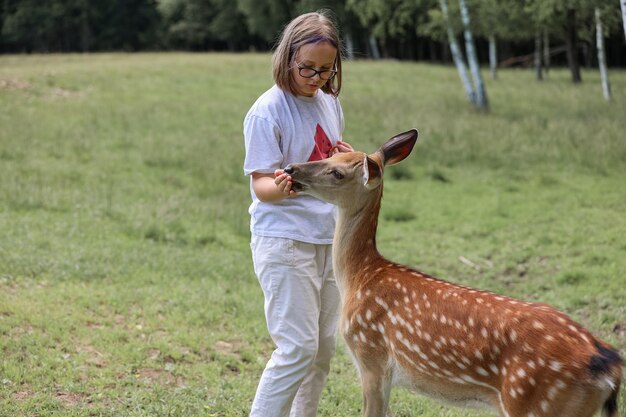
[(345, 178)]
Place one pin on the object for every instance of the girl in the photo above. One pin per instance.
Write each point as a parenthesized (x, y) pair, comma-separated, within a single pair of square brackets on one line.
[(298, 119)]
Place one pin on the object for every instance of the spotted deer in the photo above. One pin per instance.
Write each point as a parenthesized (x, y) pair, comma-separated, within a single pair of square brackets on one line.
[(457, 344)]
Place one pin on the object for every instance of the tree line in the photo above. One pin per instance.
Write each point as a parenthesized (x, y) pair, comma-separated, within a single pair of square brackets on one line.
[(511, 31)]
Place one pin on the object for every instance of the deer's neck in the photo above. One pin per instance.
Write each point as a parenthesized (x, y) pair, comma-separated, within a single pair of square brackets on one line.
[(354, 244)]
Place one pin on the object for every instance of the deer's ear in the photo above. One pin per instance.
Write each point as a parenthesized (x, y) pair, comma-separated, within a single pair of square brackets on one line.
[(398, 147), (372, 173)]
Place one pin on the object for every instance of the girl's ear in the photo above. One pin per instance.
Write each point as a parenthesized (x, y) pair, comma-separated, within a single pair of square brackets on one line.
[(372, 173), (398, 147)]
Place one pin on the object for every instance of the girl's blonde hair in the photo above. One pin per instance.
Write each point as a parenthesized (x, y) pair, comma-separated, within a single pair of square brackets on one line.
[(305, 29)]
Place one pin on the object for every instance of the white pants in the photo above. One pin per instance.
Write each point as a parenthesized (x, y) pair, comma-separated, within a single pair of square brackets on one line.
[(301, 310)]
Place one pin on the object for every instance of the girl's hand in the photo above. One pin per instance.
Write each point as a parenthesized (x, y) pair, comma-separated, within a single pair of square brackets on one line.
[(283, 182), (342, 146)]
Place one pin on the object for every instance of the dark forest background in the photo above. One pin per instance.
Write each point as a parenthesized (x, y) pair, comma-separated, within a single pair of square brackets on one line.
[(399, 29)]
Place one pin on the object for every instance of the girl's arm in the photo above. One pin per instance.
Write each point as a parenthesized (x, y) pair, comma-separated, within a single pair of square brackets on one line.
[(272, 188)]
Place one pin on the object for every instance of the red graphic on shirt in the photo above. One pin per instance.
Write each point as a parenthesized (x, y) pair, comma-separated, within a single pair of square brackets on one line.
[(322, 147)]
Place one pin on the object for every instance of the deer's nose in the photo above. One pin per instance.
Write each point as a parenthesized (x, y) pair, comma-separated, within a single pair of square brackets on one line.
[(288, 169)]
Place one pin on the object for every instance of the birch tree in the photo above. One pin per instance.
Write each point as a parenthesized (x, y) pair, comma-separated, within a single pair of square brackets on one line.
[(604, 74), (481, 95), (457, 55)]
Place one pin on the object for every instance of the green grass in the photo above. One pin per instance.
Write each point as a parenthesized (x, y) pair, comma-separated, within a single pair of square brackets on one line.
[(126, 284)]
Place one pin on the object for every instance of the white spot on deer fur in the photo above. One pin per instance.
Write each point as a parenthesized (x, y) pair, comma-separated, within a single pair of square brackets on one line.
[(362, 336), (521, 391), (480, 300), (484, 332), (532, 381), (443, 319), (478, 355), (560, 384), (359, 320), (471, 322), (368, 315), (513, 393), (521, 373), (494, 369), (545, 406), (552, 393), (513, 336), (482, 371), (427, 337), (358, 295), (392, 317), (381, 302), (555, 366), (538, 325), (542, 362)]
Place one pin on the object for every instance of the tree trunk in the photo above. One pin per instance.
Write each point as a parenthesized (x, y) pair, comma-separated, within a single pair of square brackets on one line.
[(571, 42), (546, 52), (457, 56), (493, 56), (349, 47), (537, 57), (623, 3), (606, 88), (481, 95), (373, 44)]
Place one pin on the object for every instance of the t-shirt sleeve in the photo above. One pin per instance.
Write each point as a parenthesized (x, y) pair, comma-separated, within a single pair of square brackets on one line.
[(262, 141)]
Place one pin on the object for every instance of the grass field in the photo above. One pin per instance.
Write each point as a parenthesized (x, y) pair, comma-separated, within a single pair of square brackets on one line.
[(126, 284)]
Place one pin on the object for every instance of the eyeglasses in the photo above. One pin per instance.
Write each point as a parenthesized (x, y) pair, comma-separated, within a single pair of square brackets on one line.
[(308, 72)]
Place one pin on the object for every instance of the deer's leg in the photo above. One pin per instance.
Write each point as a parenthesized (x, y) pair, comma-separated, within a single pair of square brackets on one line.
[(376, 389)]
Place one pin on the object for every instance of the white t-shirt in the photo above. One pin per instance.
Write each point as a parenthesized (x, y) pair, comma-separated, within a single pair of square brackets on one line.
[(280, 129)]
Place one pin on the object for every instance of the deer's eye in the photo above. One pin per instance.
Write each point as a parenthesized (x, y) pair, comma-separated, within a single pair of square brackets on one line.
[(336, 174)]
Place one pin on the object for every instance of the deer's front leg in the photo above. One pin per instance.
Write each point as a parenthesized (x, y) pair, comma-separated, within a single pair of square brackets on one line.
[(376, 389)]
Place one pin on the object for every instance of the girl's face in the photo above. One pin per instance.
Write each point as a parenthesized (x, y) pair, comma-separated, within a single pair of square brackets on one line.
[(317, 56)]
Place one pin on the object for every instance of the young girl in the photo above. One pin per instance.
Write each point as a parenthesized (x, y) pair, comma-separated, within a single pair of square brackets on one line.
[(299, 119)]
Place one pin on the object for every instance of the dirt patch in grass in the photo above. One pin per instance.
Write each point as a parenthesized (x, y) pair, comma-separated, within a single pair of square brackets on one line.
[(160, 376), (14, 84)]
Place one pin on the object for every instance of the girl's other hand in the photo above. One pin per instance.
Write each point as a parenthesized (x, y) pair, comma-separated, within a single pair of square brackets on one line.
[(283, 182), (342, 146)]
